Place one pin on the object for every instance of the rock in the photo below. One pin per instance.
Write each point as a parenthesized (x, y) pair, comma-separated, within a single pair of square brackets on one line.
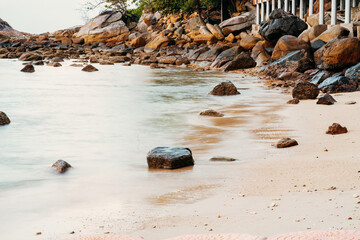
[(204, 30), (156, 44), (216, 31), (313, 32), (331, 33), (138, 42), (293, 101), (350, 103), (102, 27), (337, 84), (205, 38), (78, 40), (61, 166), (336, 128), (222, 159), (224, 89), (194, 24), (305, 90), (6, 31), (230, 38), (320, 77), (280, 24), (327, 99), (237, 24), (259, 54), (212, 113), (54, 64), (89, 68), (286, 142), (28, 68), (4, 120), (289, 75), (76, 65), (30, 56), (105, 62), (38, 63), (248, 42), (226, 56), (353, 73), (210, 55), (287, 44), (241, 61), (317, 45), (170, 157), (167, 60), (313, 19)]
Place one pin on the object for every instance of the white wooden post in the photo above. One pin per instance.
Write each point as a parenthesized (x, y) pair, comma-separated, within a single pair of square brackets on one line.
[(267, 9), (293, 7), (354, 3), (286, 5), (257, 13), (341, 5), (333, 12), (347, 11), (279, 3), (311, 7), (273, 5), (321, 12), (301, 14), (263, 11)]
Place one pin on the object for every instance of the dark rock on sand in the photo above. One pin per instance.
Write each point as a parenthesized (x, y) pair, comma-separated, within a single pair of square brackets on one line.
[(89, 68), (222, 159), (327, 99), (336, 128), (54, 64), (212, 113), (39, 63), (281, 23), (225, 89), (28, 68), (4, 119), (61, 166), (337, 84), (170, 157), (353, 73), (286, 142), (293, 101), (241, 61), (305, 90)]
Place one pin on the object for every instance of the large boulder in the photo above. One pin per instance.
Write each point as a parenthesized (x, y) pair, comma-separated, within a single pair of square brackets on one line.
[(30, 56), (259, 53), (287, 44), (28, 68), (226, 56), (237, 24), (313, 32), (305, 90), (281, 23), (104, 26), (337, 84), (225, 89), (353, 73), (204, 38), (338, 54), (4, 120), (241, 61), (156, 44), (331, 33), (7, 31), (215, 30), (248, 42), (170, 157), (211, 54)]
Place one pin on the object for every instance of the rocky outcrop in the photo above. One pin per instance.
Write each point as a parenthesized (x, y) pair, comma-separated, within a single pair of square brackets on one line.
[(336, 128), (237, 24), (7, 31), (156, 44), (248, 42), (169, 157), (60, 166), (224, 89), (286, 142), (305, 90), (241, 61), (102, 27), (338, 54), (287, 44), (281, 23), (4, 120)]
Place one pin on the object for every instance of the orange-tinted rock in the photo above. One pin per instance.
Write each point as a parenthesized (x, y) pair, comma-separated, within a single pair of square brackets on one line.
[(66, 41), (248, 42), (121, 38), (336, 128), (286, 142), (215, 30), (78, 40), (138, 42), (89, 68), (287, 44), (225, 89), (331, 33), (230, 38), (204, 38), (28, 68), (156, 44)]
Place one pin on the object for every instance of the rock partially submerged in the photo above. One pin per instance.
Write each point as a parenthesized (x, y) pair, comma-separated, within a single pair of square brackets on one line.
[(89, 68), (222, 159), (336, 128), (211, 113), (60, 166), (286, 142), (29, 68), (225, 89), (170, 157), (327, 99), (4, 120)]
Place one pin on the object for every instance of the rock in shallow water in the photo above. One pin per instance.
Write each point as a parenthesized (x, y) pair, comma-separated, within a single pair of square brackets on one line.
[(293, 101), (28, 68), (336, 128), (286, 142), (89, 68), (170, 157), (211, 113), (223, 159), (4, 119), (225, 89), (61, 166)]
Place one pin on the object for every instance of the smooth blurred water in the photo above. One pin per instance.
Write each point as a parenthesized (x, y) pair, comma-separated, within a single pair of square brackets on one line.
[(104, 123)]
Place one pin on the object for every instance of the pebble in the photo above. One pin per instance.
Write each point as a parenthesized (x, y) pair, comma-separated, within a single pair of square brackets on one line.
[(350, 103), (356, 196), (38, 233)]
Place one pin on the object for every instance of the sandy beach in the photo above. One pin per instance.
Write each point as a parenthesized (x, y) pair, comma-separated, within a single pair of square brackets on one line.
[(310, 186)]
